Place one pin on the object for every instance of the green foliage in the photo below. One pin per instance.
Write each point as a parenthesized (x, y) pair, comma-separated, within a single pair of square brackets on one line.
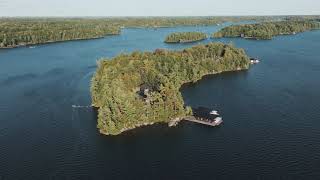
[(155, 22), (20, 32), (267, 30), (183, 37), (119, 85), (16, 32)]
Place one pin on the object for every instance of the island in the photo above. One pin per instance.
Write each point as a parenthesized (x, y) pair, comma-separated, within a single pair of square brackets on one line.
[(23, 32), (267, 30), (17, 32), (185, 37), (143, 88)]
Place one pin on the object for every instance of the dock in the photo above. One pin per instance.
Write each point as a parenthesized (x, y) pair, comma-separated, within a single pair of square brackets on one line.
[(201, 115), (216, 122)]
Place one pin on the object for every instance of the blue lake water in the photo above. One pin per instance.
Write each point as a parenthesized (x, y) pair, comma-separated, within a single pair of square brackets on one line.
[(271, 115)]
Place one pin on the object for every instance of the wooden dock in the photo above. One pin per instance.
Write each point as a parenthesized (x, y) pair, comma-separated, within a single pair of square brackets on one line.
[(216, 122), (203, 121)]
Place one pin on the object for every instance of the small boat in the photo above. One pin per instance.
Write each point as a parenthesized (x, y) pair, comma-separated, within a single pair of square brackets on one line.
[(217, 121), (173, 122), (254, 61), (32, 47), (214, 112)]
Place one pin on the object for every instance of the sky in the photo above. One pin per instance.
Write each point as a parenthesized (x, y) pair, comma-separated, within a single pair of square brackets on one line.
[(157, 7)]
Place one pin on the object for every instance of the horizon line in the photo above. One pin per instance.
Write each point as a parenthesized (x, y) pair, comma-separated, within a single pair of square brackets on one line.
[(137, 16)]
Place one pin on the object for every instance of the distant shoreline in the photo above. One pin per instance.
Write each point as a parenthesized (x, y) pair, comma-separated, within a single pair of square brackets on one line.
[(52, 42), (267, 30), (20, 32)]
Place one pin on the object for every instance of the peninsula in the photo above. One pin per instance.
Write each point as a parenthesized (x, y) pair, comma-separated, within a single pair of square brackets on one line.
[(267, 30), (185, 37), (143, 88)]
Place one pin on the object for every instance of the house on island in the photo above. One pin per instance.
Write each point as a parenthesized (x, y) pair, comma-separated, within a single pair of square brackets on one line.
[(145, 93)]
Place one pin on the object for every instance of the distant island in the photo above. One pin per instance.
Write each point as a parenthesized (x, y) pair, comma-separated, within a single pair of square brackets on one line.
[(16, 32), (267, 30), (142, 88), (23, 32), (185, 37)]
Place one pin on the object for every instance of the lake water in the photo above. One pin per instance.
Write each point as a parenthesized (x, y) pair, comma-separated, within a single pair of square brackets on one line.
[(271, 115)]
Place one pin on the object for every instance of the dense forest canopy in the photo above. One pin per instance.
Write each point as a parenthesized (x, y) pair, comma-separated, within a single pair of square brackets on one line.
[(143, 87), (302, 18), (182, 37), (26, 32), (154, 22), (267, 30), (23, 31), (16, 32)]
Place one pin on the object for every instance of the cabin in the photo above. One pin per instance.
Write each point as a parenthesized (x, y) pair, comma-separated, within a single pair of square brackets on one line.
[(144, 90), (144, 93)]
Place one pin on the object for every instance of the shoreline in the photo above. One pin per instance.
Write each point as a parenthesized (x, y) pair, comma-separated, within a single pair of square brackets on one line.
[(265, 39), (168, 26), (185, 42), (52, 42), (101, 37), (185, 37)]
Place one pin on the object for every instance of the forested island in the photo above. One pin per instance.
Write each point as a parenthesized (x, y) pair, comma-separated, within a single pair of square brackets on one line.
[(15, 32), (267, 30), (185, 37), (142, 88)]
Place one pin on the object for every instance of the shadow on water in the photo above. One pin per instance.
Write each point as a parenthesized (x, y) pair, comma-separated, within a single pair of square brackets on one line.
[(55, 71), (223, 75), (92, 67)]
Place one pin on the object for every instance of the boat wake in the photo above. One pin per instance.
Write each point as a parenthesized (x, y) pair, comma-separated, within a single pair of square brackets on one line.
[(78, 106)]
